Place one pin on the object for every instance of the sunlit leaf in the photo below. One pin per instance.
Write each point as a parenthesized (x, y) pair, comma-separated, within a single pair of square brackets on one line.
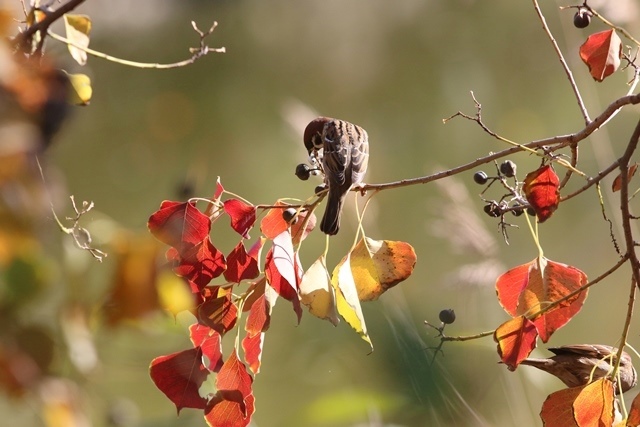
[(220, 314), (273, 224), (588, 405), (541, 190), (199, 264), (602, 52), (233, 404), (317, 293), (297, 232), (516, 339), (78, 28), (283, 271), (347, 299), (180, 225), (378, 265), (81, 90), (242, 265), (210, 342), (179, 376), (634, 412), (526, 289), (243, 216)]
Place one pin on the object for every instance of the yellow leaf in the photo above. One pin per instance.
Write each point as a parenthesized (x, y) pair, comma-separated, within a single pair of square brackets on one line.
[(174, 294), (378, 265), (347, 298), (81, 91), (78, 28), (317, 293)]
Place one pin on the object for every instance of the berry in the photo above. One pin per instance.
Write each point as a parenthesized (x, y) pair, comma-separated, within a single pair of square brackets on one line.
[(303, 171), (320, 188), (289, 214), (582, 18), (480, 177), (508, 168), (518, 209), (531, 211), (447, 316), (492, 210)]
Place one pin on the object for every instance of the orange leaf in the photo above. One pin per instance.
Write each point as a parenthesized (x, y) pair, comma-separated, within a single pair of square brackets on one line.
[(617, 183), (516, 339), (378, 265), (602, 52), (588, 405), (541, 190), (526, 289), (634, 413), (233, 404), (273, 224), (220, 314)]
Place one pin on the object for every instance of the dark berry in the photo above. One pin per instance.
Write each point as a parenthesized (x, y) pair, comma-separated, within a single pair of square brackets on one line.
[(508, 168), (582, 18), (289, 214), (480, 177), (303, 171), (517, 211), (531, 211), (320, 188), (492, 210), (447, 316)]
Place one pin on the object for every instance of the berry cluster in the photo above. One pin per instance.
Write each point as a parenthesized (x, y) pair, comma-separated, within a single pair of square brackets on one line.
[(512, 201)]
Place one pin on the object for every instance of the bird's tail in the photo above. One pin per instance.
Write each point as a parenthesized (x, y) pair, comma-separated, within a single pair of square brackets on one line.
[(331, 220)]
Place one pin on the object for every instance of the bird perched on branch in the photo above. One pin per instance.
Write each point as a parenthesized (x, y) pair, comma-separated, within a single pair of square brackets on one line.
[(573, 364), (344, 152)]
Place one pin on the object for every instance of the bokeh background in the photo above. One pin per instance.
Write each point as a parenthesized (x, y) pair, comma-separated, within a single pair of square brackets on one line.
[(397, 69)]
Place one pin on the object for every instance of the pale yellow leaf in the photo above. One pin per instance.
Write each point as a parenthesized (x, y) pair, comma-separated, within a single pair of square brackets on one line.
[(81, 91), (78, 28), (347, 298), (317, 293)]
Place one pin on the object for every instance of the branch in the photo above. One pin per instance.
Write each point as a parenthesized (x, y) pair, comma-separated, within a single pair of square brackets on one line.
[(197, 53), (557, 142), (23, 39)]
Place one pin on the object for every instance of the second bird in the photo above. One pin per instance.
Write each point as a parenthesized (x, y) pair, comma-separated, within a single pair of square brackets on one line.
[(344, 150)]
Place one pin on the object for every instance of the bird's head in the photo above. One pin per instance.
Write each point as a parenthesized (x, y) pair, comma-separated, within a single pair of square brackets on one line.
[(313, 133)]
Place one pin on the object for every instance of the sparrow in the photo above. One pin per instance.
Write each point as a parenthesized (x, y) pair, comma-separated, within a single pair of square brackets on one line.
[(573, 364), (344, 152)]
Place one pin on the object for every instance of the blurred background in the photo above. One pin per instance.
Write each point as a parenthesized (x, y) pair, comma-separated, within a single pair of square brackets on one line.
[(395, 68)]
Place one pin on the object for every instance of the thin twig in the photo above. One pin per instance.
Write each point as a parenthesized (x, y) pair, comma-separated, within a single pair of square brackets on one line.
[(197, 53), (566, 68)]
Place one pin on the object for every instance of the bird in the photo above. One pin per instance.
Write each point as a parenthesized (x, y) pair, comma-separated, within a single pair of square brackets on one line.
[(573, 364), (344, 152)]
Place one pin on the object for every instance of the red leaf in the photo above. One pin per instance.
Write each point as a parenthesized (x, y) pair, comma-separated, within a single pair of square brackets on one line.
[(242, 265), (179, 376), (210, 342), (179, 225), (283, 271), (243, 216), (634, 412), (252, 346), (233, 405), (516, 339), (257, 323), (273, 224), (220, 314), (541, 189), (199, 264), (526, 289), (617, 182), (602, 52)]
